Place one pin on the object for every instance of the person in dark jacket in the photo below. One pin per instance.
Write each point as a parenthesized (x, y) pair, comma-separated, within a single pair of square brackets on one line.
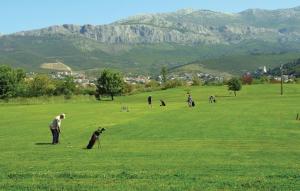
[(150, 101)]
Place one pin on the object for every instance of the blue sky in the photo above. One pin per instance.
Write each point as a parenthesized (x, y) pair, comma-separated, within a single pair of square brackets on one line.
[(18, 15)]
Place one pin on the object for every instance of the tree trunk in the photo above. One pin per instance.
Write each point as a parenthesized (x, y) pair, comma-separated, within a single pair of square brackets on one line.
[(234, 93), (97, 96), (112, 96)]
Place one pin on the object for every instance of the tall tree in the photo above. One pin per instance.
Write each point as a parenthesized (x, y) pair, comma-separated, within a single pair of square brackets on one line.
[(41, 85), (67, 86), (234, 85), (10, 81), (163, 73), (109, 83)]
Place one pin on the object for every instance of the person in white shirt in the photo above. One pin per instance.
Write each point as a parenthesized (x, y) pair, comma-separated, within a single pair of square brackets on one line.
[(55, 127)]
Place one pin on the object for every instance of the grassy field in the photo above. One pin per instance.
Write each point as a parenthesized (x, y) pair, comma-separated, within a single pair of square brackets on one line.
[(248, 142)]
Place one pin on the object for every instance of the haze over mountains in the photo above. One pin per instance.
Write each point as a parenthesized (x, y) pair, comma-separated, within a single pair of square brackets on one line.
[(202, 39)]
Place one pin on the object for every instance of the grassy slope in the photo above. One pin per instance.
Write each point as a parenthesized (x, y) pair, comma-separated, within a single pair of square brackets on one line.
[(239, 64), (248, 142), (81, 54)]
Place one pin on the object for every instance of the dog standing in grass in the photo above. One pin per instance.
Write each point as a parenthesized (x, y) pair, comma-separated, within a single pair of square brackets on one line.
[(55, 128)]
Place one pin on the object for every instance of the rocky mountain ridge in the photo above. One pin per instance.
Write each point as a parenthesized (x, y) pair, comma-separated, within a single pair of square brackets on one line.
[(187, 39), (188, 26)]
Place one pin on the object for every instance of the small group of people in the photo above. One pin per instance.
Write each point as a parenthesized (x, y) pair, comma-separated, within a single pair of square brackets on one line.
[(56, 122), (190, 101), (162, 102)]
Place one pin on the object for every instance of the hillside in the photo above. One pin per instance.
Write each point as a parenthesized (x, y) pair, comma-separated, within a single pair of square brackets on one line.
[(144, 43), (291, 68), (238, 64)]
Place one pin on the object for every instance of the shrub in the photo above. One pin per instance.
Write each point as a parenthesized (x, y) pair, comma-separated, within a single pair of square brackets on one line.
[(173, 84), (196, 81), (247, 79), (41, 85)]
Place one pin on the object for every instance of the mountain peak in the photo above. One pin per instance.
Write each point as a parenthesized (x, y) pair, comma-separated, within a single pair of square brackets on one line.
[(188, 26), (253, 11), (296, 8), (184, 36), (185, 11)]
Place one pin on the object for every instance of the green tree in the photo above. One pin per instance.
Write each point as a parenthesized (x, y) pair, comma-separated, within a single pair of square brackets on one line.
[(66, 87), (234, 85), (41, 85), (109, 83), (11, 81), (163, 73)]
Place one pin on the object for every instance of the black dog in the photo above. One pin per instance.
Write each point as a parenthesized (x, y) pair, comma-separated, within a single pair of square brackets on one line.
[(95, 137)]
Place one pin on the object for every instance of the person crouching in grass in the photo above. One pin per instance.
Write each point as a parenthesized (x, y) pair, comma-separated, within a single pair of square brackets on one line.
[(55, 128)]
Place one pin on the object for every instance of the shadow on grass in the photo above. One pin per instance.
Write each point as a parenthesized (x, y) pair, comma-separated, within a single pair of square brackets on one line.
[(106, 100), (224, 96), (43, 143)]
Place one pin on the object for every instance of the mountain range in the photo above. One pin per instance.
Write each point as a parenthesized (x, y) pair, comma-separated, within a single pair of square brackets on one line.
[(194, 39)]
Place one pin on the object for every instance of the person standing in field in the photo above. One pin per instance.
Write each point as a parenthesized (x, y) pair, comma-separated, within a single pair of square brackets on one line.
[(55, 128), (190, 100), (150, 101), (212, 99)]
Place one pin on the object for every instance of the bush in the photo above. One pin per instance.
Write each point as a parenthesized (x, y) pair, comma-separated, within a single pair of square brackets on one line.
[(89, 91), (173, 84), (41, 85), (196, 81), (264, 80), (247, 79), (67, 86), (127, 88), (152, 84)]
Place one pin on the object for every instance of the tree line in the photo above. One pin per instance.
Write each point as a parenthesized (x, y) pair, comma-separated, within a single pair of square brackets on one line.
[(14, 83)]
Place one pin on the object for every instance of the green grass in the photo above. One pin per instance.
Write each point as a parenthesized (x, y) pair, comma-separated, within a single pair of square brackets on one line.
[(248, 142)]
